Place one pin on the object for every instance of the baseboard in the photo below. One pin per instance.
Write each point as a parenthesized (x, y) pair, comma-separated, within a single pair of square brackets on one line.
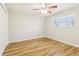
[(4, 48), (26, 39), (63, 41), (49, 38)]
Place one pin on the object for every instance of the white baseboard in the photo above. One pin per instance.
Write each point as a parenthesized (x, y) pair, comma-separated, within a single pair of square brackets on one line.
[(4, 48), (50, 38), (27, 39), (63, 41)]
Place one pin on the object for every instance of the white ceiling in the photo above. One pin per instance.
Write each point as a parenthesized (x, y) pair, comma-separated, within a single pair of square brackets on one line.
[(27, 7)]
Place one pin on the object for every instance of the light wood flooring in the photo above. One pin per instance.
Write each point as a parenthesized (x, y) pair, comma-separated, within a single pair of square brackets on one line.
[(40, 47)]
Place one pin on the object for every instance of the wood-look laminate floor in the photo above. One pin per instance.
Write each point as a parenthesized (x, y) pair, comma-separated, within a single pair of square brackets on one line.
[(40, 47)]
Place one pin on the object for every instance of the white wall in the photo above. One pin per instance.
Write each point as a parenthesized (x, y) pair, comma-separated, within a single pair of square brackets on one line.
[(68, 35), (3, 30), (23, 26)]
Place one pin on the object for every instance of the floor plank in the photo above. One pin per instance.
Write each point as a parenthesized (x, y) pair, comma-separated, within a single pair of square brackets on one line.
[(40, 47)]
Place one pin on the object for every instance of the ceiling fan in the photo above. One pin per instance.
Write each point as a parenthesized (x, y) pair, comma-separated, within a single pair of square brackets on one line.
[(45, 8)]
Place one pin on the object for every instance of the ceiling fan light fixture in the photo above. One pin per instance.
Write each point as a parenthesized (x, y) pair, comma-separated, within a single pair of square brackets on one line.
[(44, 11), (43, 5)]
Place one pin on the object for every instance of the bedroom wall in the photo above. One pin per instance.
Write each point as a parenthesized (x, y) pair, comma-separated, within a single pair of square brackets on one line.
[(68, 35), (23, 26)]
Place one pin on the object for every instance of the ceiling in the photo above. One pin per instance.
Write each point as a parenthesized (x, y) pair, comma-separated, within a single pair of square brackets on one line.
[(27, 7)]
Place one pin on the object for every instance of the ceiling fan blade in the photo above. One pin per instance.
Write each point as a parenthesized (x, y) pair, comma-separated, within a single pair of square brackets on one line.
[(49, 11), (53, 6), (36, 9)]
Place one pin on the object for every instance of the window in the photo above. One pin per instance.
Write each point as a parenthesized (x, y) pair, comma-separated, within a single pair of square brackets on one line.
[(67, 21)]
